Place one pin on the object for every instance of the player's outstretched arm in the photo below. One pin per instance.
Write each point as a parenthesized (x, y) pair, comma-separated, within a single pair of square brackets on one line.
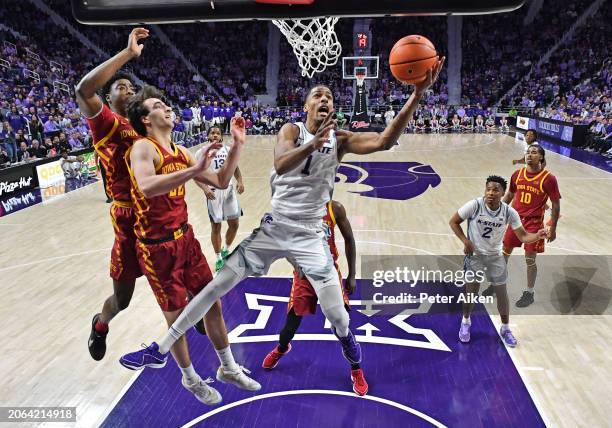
[(527, 237), (142, 162), (239, 182), (350, 249), (287, 156), (455, 225), (363, 143), (86, 91)]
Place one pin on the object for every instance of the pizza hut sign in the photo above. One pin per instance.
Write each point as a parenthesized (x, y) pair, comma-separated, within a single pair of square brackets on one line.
[(12, 183)]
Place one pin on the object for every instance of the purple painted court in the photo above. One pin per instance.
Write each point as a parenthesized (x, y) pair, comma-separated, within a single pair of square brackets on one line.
[(419, 373)]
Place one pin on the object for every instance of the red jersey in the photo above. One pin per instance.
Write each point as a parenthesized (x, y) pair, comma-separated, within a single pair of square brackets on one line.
[(113, 136), (329, 222), (160, 216), (531, 192)]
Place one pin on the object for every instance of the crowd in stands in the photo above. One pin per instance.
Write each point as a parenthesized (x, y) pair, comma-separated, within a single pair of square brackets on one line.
[(574, 84), (499, 49)]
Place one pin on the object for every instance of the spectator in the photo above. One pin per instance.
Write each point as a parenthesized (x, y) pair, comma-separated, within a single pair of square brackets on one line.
[(36, 151), (22, 154)]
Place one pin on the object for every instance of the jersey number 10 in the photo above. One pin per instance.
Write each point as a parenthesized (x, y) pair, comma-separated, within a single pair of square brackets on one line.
[(525, 198)]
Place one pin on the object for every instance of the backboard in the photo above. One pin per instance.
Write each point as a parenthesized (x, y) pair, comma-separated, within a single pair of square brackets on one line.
[(353, 65), (168, 11)]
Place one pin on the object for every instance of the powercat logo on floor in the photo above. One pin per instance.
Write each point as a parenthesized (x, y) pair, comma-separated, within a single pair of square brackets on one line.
[(11, 186)]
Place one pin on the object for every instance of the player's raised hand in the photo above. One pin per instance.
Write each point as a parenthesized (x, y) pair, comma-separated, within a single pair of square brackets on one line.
[(430, 79), (136, 35), (322, 134), (238, 129), (208, 153)]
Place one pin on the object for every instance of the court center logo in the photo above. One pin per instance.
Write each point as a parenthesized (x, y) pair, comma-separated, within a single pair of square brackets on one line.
[(270, 311), (387, 180)]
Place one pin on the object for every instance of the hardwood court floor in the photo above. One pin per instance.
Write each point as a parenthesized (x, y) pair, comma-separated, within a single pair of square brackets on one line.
[(54, 275)]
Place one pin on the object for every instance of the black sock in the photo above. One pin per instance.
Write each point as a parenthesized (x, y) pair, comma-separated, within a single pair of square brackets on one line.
[(291, 325), (355, 366)]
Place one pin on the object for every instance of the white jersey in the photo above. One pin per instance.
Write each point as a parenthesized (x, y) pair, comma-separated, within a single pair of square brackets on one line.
[(486, 228), (303, 192), (218, 161)]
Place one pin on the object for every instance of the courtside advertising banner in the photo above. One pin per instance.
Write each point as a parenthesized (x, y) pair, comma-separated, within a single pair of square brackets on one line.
[(50, 174)]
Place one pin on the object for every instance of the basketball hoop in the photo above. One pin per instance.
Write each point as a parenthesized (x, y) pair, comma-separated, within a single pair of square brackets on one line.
[(314, 42), (360, 77)]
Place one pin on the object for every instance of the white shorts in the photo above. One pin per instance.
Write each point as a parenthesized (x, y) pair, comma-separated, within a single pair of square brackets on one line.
[(304, 245), (494, 266), (225, 206)]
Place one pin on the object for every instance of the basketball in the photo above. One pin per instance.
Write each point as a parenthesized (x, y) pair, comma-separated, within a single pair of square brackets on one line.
[(411, 57)]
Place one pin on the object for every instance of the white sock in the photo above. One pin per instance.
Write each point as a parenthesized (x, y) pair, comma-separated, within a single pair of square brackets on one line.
[(504, 327), (529, 290), (189, 373), (225, 247), (219, 256), (467, 320), (227, 359)]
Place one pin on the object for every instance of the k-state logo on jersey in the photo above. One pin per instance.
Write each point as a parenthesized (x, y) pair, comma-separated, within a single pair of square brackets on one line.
[(387, 180)]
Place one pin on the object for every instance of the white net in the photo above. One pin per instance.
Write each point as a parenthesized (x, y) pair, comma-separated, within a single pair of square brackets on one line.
[(314, 42), (360, 77)]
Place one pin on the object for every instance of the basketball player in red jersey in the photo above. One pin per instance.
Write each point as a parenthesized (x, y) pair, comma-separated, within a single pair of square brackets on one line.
[(113, 135), (168, 253), (303, 299), (530, 189)]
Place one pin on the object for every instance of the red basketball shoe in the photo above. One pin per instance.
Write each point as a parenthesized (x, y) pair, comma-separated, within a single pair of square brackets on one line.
[(360, 386), (273, 357)]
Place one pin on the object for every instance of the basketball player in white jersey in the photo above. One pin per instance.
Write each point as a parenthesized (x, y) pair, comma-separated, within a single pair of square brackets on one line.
[(222, 203), (487, 219), (306, 158)]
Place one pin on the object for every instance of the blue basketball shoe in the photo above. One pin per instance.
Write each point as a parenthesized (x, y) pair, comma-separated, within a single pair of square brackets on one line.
[(149, 356)]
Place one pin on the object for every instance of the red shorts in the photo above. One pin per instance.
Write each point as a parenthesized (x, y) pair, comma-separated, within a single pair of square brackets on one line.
[(175, 270), (124, 265), (303, 299), (531, 225)]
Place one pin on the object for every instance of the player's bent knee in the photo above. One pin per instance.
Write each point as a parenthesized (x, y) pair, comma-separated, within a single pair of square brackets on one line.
[(338, 317)]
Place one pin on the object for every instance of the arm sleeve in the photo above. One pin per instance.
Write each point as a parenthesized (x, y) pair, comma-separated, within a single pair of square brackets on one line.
[(468, 209)]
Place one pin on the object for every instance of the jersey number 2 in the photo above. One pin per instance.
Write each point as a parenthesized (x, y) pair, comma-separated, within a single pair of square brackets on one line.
[(487, 232)]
